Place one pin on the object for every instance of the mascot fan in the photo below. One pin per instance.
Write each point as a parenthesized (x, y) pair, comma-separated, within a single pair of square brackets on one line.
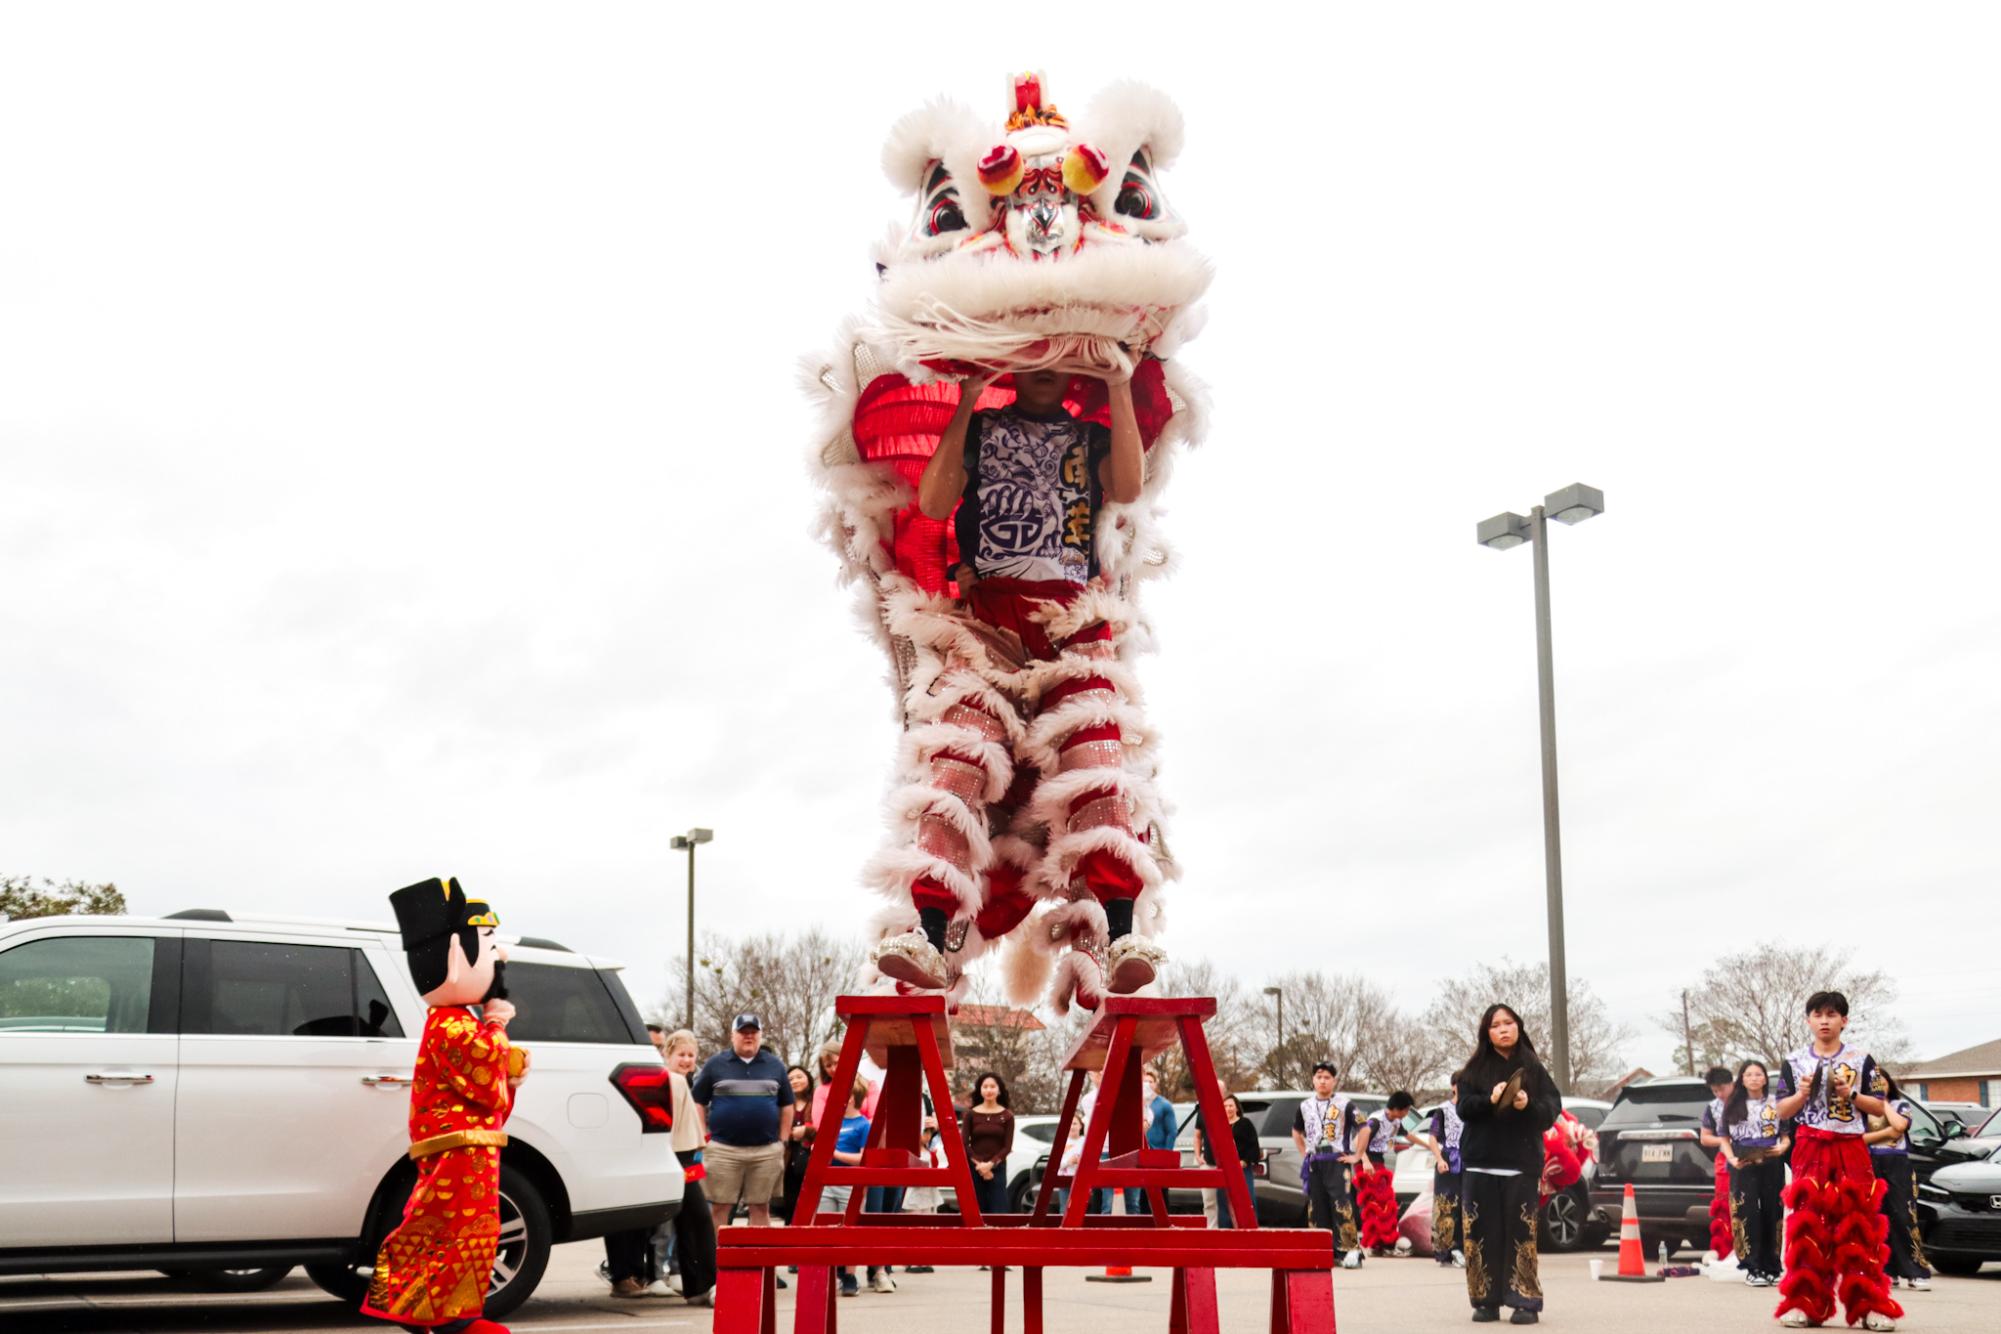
[(996, 434), (433, 1271)]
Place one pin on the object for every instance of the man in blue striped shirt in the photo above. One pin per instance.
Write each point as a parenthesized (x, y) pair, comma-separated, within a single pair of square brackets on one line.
[(749, 1102)]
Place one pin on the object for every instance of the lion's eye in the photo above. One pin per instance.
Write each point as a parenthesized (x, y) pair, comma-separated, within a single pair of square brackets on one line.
[(1135, 201), (945, 217)]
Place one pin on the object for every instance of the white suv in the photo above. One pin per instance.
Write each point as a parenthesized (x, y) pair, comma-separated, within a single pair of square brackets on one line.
[(209, 1092)]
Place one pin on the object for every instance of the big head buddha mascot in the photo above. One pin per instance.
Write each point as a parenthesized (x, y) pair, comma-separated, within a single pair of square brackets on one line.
[(433, 1270)]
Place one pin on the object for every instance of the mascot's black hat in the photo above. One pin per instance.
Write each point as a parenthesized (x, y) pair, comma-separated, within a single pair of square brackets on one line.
[(428, 913)]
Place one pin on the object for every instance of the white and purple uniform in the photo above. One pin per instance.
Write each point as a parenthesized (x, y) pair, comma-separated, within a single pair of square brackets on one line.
[(1760, 1127), (1445, 1128), (1824, 1111)]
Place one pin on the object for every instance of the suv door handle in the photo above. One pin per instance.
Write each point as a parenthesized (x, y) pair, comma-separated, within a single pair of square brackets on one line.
[(117, 1077), (391, 1081)]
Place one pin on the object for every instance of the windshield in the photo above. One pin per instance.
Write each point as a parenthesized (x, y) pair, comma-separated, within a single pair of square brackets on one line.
[(1676, 1105)]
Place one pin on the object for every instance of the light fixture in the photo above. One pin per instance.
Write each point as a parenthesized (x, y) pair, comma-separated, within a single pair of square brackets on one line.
[(1574, 504), (1503, 531)]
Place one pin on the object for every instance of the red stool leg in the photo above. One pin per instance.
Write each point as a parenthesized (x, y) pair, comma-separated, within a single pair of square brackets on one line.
[(1031, 1301), (1195, 1290), (1177, 1303), (769, 1304), (998, 1312), (738, 1304), (1302, 1301), (814, 1313)]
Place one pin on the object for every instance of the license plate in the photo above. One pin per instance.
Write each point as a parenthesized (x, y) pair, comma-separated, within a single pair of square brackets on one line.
[(1657, 1153)]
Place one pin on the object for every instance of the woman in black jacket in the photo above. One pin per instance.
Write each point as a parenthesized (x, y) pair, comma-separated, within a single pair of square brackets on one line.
[(1507, 1101)]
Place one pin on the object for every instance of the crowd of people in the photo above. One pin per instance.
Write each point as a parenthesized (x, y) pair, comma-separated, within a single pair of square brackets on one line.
[(745, 1123)]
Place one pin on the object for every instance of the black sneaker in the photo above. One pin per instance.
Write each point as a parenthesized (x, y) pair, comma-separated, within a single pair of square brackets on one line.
[(1523, 1318), (1483, 1315), (918, 1269)]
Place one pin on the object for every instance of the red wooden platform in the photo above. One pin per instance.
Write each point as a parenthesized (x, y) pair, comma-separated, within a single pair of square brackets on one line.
[(909, 1038)]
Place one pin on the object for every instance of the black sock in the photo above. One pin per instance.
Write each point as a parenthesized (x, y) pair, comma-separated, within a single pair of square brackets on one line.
[(1119, 917), (933, 920)]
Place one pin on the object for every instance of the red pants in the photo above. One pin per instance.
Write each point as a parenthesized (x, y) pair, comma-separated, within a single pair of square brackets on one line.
[(1836, 1236), (1093, 819)]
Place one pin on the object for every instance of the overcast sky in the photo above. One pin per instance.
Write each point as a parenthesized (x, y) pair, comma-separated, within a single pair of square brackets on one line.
[(401, 470)]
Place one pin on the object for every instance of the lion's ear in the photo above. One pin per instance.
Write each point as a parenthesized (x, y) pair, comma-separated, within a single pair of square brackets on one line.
[(1140, 129), (933, 154)]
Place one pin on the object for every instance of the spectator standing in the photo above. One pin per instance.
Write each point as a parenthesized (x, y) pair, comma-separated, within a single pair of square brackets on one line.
[(1244, 1137), (1507, 1100), (1161, 1128), (848, 1151), (694, 1229), (799, 1143), (749, 1104), (989, 1140)]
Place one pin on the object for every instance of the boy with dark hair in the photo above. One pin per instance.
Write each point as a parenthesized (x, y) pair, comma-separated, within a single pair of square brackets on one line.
[(1443, 1141), (1722, 1204), (1836, 1236), (1323, 1130), (1375, 1191)]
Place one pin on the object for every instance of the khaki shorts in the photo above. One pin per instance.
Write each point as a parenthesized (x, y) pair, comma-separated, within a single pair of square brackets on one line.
[(734, 1173)]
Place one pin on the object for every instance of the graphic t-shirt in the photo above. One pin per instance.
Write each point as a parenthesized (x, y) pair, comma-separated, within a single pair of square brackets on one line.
[(1760, 1127), (1383, 1131), (1902, 1143), (1030, 506), (1825, 1111), (1328, 1125), (1712, 1116)]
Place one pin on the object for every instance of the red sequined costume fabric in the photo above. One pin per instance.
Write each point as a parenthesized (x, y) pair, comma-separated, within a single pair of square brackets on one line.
[(436, 1265)]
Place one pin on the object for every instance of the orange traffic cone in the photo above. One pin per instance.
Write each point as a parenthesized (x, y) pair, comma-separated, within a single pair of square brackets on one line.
[(1632, 1258)]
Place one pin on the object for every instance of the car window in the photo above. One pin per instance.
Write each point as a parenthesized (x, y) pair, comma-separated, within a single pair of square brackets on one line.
[(1592, 1117), (260, 988), (558, 1004), (1680, 1106), (1991, 1126), (1046, 1133), (1277, 1119), (1925, 1131), (77, 984)]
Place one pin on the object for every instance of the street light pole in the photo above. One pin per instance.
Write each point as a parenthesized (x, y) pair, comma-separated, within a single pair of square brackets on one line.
[(1552, 839), (1278, 994), (1573, 504), (689, 841)]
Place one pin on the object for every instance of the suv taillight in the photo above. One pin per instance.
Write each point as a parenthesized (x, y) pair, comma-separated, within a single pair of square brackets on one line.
[(651, 1093)]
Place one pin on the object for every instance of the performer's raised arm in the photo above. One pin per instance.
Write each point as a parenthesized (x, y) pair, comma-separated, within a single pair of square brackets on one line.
[(944, 479), (1123, 474)]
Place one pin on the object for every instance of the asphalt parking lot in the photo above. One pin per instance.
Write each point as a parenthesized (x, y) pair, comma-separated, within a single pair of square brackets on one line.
[(1393, 1296)]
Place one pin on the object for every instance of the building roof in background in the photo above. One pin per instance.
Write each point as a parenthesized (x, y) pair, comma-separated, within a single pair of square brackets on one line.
[(1984, 1059), (996, 1016)]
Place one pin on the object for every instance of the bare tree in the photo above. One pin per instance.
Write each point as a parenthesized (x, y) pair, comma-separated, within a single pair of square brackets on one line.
[(1239, 1036), (1753, 1004), (1594, 1038), (789, 982)]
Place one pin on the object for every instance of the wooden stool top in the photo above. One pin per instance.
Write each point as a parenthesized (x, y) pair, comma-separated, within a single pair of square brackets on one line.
[(1156, 1028), (893, 1021)]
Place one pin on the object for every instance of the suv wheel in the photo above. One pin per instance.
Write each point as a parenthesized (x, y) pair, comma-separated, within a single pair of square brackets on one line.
[(518, 1263), (1564, 1220)]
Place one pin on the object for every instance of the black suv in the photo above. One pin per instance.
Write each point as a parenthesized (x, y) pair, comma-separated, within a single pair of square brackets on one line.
[(1652, 1139)]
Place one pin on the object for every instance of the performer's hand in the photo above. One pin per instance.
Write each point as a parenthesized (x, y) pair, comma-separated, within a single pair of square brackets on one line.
[(976, 384), (527, 1059), (498, 1012), (1499, 1089), (1521, 1099)]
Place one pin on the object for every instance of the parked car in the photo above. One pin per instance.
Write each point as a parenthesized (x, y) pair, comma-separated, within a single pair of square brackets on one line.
[(212, 1093), (1652, 1139), (1964, 1204), (1968, 1114), (1032, 1137), (1569, 1220)]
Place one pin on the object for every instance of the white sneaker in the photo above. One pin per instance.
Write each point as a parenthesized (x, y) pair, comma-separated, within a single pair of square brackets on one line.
[(1352, 1260), (1921, 1285), (882, 1282), (658, 1288), (1458, 1259), (912, 958), (1795, 1319), (1879, 1322)]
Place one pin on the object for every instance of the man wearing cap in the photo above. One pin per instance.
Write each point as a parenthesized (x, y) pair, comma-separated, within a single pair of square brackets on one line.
[(749, 1101)]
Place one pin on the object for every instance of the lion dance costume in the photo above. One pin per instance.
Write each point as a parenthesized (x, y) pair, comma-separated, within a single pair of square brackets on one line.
[(1837, 1238), (433, 1271), (1024, 807)]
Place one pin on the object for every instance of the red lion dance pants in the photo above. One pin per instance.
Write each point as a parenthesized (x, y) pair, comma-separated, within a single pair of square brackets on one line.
[(1016, 769), (1836, 1236), (1376, 1202)]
